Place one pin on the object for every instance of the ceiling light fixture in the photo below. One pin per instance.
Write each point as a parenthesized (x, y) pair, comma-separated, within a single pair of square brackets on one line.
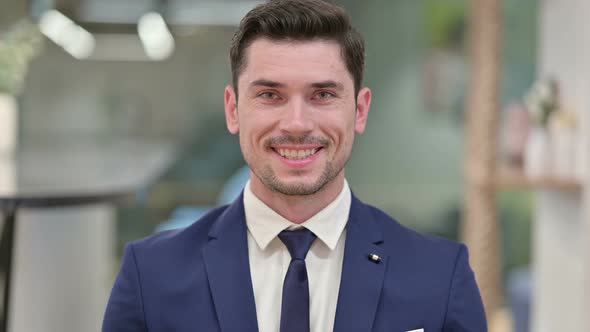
[(155, 36), (64, 32)]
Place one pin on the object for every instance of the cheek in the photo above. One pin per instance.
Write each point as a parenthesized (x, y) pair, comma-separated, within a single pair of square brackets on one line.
[(347, 134), (338, 128), (254, 128)]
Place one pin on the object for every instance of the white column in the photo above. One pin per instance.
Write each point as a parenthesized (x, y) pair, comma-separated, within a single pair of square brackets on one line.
[(561, 250), (8, 124), (62, 268), (8, 136), (559, 264)]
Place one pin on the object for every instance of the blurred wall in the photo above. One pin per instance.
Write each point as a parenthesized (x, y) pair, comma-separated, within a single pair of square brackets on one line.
[(65, 96), (10, 11), (409, 160)]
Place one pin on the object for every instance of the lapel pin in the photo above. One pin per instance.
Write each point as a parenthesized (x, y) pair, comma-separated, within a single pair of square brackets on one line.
[(376, 259)]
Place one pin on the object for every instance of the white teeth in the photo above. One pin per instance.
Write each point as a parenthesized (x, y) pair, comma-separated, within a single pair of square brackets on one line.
[(296, 154)]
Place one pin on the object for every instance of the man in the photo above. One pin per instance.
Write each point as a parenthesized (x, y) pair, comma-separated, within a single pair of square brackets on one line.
[(296, 251)]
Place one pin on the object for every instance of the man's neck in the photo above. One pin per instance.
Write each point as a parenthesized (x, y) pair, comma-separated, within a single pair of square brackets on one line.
[(298, 209)]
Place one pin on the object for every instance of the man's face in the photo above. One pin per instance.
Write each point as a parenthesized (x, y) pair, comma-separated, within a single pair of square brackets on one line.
[(296, 114)]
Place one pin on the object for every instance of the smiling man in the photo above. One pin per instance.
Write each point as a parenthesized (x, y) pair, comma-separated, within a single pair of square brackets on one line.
[(298, 113), (296, 251)]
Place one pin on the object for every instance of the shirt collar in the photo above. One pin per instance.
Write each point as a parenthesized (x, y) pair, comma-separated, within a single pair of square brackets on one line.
[(265, 224)]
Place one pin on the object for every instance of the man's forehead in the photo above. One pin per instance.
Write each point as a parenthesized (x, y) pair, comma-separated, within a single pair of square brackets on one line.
[(268, 48), (314, 61)]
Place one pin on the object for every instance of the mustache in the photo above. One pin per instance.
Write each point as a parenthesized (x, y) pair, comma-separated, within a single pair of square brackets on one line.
[(296, 140)]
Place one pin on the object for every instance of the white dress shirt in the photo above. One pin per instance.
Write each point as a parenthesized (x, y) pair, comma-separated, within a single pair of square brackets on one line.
[(269, 259)]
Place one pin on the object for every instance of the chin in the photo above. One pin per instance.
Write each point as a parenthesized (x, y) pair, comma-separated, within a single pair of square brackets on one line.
[(299, 189), (296, 186)]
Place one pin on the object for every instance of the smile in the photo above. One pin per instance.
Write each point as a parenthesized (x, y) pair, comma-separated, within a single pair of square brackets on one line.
[(296, 154)]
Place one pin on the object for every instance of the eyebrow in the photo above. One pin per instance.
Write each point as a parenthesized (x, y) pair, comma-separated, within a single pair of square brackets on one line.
[(316, 85), (327, 84), (267, 83)]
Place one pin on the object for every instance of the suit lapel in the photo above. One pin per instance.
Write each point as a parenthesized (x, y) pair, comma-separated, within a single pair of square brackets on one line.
[(362, 278), (228, 271)]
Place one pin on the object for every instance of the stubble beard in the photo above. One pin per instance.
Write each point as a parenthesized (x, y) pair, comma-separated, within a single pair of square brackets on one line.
[(272, 182)]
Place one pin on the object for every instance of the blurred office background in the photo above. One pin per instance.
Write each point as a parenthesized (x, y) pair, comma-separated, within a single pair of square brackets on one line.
[(109, 84)]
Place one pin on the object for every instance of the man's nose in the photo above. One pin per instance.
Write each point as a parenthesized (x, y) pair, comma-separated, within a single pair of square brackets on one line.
[(297, 118)]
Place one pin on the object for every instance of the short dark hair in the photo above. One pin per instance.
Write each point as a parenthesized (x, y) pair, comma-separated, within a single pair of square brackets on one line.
[(299, 20)]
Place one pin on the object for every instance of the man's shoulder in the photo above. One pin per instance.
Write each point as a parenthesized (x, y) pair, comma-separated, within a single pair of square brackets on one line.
[(179, 240), (398, 236)]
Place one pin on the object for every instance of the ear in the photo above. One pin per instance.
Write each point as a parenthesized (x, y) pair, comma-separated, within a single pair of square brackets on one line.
[(231, 110), (363, 103)]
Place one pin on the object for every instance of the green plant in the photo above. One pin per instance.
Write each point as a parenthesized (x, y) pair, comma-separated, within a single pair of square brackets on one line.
[(542, 101), (17, 48), (445, 23)]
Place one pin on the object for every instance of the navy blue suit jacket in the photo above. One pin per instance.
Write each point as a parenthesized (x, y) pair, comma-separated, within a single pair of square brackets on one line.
[(198, 279)]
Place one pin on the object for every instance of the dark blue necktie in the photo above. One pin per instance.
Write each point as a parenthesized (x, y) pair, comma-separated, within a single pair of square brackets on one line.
[(295, 306)]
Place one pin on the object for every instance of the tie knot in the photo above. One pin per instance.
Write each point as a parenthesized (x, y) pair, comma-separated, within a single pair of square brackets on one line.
[(297, 242)]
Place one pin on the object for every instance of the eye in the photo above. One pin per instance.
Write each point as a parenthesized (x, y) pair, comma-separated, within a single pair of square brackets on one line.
[(268, 95), (324, 95)]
